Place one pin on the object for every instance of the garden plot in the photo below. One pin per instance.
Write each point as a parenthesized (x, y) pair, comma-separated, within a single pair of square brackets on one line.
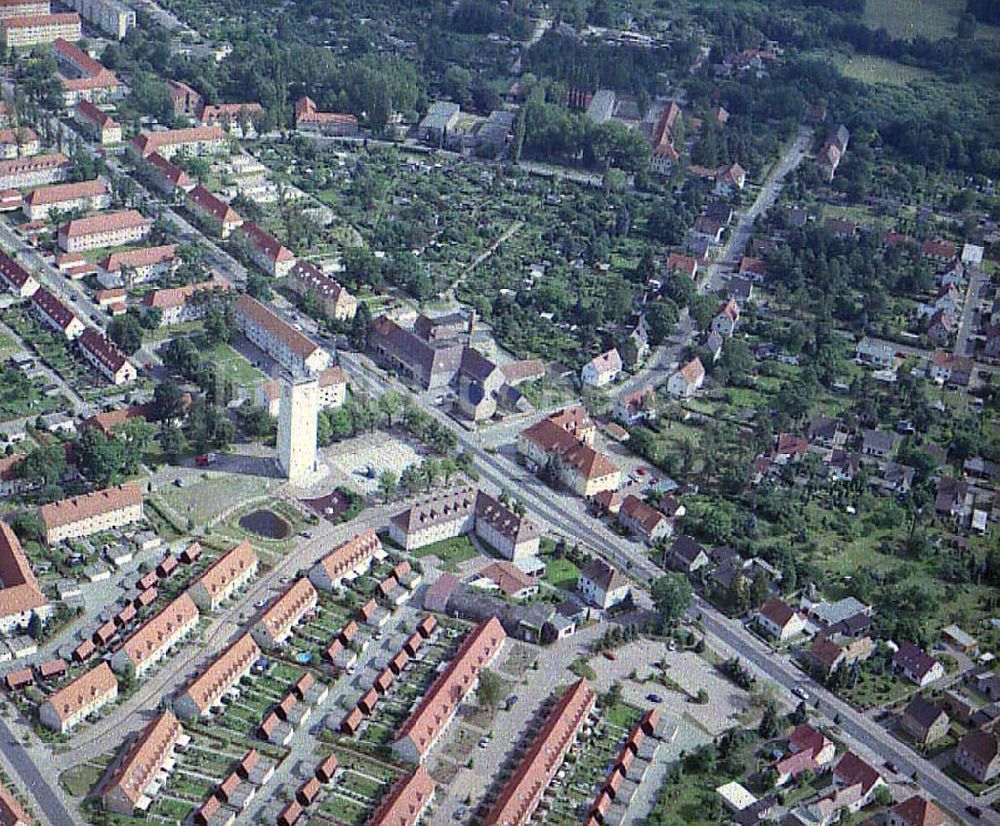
[(358, 789), (244, 714), (312, 637), (586, 766)]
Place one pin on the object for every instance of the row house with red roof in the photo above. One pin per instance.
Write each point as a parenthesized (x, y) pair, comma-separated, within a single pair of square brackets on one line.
[(164, 175), (97, 123), (280, 340), (85, 695), (20, 597), (267, 251), (277, 622), (137, 266), (16, 278), (220, 218), (178, 305), (56, 315), (18, 143), (152, 641), (223, 674), (308, 118), (305, 278), (133, 780), (106, 356), (225, 577)]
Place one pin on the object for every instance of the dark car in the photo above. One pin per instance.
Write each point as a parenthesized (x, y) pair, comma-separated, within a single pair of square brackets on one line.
[(654, 698), (975, 811)]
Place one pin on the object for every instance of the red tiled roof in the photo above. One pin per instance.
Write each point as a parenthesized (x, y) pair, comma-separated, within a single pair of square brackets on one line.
[(143, 257), (149, 142), (103, 349), (60, 19), (261, 316), (406, 801), (68, 511), (207, 687), (521, 794), (228, 568), (212, 204), (918, 811), (351, 554), (435, 709), (139, 768), (20, 591), (99, 117), (53, 308), (170, 171), (261, 240), (852, 769), (78, 694), (156, 632), (551, 438), (11, 810), (33, 163), (105, 222)]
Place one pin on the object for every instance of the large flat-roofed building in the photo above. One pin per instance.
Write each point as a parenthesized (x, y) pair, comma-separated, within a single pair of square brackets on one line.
[(521, 794), (56, 315), (305, 278), (20, 596), (407, 801), (224, 577), (85, 196), (16, 278), (434, 518), (84, 515), (85, 695), (105, 355), (110, 16), (150, 643), (277, 622), (37, 170), (22, 32), (206, 690), (434, 713), (196, 140), (279, 339), (111, 229), (347, 561), (134, 777)]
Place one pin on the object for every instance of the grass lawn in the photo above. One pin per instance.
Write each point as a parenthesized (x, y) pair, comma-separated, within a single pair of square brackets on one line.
[(451, 552), (906, 19), (8, 345), (877, 70), (561, 573), (237, 368), (217, 492), (80, 779)]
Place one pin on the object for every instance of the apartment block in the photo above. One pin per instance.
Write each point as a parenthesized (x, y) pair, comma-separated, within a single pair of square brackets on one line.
[(435, 711), (56, 315), (278, 621), (267, 252), (23, 8), (38, 170), (151, 642), (224, 673), (112, 229), (347, 562), (85, 695), (85, 195), (20, 596), (97, 123), (24, 32), (110, 16), (224, 577), (91, 513), (138, 266), (16, 278), (18, 143), (180, 304), (196, 140), (279, 339), (306, 278), (216, 213), (135, 777)]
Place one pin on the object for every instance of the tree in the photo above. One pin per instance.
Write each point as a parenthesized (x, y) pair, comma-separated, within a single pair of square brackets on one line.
[(769, 724), (126, 332), (168, 401), (172, 441), (28, 526), (359, 327), (489, 693), (672, 596), (259, 287), (661, 319), (387, 482), (216, 329), (44, 465)]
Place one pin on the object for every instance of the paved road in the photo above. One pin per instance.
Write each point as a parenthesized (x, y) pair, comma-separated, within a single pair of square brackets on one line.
[(734, 248), (24, 765), (966, 324)]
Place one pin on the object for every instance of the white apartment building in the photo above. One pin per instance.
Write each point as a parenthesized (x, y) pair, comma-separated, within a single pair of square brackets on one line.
[(91, 513), (150, 643), (24, 32), (85, 695), (112, 229), (224, 577)]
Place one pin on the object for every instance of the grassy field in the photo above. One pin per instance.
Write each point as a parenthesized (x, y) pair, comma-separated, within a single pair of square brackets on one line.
[(451, 552), (235, 366), (204, 500), (561, 573), (879, 71), (933, 19)]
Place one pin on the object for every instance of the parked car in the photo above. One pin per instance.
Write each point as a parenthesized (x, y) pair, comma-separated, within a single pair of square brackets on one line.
[(654, 698)]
